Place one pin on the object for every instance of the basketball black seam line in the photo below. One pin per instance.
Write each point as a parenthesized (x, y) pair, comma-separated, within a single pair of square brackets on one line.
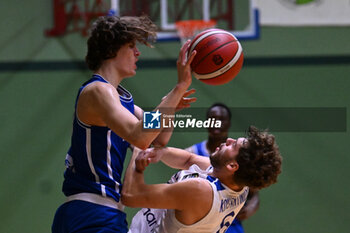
[(213, 52), (219, 74)]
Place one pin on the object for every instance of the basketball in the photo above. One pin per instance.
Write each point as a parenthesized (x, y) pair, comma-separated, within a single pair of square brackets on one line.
[(219, 56)]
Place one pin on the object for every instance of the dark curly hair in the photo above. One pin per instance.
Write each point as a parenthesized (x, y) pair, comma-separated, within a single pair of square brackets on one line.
[(109, 33), (259, 162)]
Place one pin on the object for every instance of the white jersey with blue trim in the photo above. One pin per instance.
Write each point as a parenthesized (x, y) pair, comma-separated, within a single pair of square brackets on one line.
[(96, 156), (226, 205)]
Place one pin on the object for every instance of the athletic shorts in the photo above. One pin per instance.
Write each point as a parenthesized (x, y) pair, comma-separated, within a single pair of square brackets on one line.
[(85, 217)]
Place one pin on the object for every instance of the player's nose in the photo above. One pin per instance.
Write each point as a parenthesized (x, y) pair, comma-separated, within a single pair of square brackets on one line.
[(230, 141), (137, 52)]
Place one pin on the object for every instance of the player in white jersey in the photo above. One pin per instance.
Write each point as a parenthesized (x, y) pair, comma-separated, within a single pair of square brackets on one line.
[(216, 136), (226, 204), (207, 197)]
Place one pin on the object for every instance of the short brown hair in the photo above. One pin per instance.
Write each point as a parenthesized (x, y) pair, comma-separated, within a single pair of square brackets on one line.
[(259, 162), (109, 33)]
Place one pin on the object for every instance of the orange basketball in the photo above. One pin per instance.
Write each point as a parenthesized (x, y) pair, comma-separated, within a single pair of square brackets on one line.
[(219, 56)]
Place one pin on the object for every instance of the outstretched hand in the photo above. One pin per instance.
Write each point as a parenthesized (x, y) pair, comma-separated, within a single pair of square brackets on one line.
[(186, 101), (184, 65)]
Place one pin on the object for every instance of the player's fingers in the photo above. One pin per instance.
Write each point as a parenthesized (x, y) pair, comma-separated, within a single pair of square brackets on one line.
[(189, 92), (150, 155), (183, 52), (139, 162), (140, 154), (145, 162), (190, 59), (148, 161), (189, 100), (186, 103)]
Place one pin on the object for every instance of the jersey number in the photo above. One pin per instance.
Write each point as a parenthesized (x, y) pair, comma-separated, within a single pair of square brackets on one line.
[(226, 222)]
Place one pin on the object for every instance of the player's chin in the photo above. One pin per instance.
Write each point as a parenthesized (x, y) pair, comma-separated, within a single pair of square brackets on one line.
[(131, 74)]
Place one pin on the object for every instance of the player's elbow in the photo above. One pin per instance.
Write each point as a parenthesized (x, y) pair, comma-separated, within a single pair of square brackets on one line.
[(142, 144), (160, 143), (128, 200), (125, 199)]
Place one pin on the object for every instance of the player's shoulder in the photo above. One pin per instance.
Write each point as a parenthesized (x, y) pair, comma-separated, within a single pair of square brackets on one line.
[(99, 89), (197, 186), (195, 193), (100, 85)]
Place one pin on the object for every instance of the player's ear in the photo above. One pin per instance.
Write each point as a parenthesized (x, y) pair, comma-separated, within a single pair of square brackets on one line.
[(232, 166)]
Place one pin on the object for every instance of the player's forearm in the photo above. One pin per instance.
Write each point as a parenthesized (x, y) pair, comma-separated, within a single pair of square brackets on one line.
[(164, 136), (161, 137), (182, 159), (172, 99), (131, 179), (134, 192), (140, 137), (132, 195), (175, 158)]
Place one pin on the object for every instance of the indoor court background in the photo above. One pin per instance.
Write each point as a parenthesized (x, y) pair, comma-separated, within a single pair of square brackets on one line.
[(286, 67)]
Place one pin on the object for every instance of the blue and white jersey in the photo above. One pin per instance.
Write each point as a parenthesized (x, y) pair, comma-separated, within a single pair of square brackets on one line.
[(201, 149), (226, 204), (96, 156)]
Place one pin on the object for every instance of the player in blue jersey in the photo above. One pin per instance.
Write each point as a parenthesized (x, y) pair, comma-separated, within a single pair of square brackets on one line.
[(106, 122), (208, 195), (216, 136)]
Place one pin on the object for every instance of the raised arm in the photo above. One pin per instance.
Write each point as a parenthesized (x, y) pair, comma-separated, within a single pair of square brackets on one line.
[(184, 81), (99, 105), (164, 136)]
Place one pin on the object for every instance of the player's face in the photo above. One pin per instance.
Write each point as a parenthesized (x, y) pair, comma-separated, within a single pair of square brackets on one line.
[(221, 114), (126, 59), (227, 152)]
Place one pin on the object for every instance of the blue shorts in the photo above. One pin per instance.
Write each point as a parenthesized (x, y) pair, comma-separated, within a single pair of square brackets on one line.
[(235, 227), (85, 217)]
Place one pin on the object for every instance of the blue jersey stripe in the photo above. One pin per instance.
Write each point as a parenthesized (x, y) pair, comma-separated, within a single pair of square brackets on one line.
[(88, 154), (217, 182)]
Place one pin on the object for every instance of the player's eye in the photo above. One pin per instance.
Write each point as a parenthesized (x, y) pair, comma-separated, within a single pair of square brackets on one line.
[(132, 45), (245, 142)]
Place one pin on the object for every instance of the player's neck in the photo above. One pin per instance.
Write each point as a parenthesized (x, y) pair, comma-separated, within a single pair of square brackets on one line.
[(232, 185), (109, 75), (226, 180)]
